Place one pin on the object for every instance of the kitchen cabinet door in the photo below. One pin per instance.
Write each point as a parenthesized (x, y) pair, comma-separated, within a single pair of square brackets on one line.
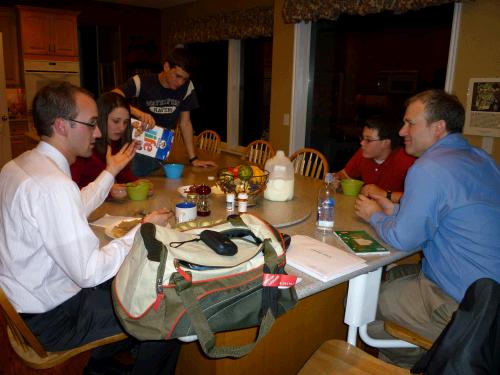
[(35, 33), (8, 28), (64, 35), (48, 33)]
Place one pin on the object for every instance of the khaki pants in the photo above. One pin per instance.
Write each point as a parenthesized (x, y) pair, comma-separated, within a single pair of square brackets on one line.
[(408, 298)]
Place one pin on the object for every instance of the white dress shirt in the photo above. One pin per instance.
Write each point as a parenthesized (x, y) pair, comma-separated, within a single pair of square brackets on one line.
[(48, 252)]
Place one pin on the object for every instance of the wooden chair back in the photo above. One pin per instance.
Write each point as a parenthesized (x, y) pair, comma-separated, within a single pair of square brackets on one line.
[(29, 349), (257, 152), (310, 163), (209, 141)]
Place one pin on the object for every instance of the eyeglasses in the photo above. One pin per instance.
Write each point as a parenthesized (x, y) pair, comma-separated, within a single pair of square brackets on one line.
[(368, 140), (92, 124)]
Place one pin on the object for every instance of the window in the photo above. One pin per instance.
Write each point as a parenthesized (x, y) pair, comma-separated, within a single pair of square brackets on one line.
[(363, 65)]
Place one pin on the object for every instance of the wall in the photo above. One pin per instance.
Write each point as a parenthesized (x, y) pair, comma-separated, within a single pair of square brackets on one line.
[(478, 53), (281, 85)]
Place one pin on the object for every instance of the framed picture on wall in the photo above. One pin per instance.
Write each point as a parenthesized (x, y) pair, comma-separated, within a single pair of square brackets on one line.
[(482, 115)]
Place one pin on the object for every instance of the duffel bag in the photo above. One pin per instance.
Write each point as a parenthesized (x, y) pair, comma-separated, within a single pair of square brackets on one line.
[(173, 284)]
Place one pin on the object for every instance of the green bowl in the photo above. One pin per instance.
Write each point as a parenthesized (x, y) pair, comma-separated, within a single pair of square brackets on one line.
[(139, 191), (351, 187)]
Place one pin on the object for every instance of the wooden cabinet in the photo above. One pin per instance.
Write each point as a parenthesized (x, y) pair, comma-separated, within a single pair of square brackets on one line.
[(8, 28), (48, 33)]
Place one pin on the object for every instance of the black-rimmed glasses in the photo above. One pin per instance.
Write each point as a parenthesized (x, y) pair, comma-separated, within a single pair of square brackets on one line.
[(369, 140), (91, 124)]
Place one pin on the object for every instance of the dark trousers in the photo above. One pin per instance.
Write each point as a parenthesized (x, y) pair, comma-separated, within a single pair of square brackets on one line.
[(89, 316)]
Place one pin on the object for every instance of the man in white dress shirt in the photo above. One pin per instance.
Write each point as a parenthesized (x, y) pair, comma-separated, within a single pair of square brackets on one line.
[(51, 266)]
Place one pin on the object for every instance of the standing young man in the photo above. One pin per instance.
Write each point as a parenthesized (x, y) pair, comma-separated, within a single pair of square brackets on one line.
[(52, 268), (380, 162), (164, 99), (450, 209)]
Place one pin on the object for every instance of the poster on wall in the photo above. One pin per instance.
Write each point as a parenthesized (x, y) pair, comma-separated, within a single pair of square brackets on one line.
[(482, 115)]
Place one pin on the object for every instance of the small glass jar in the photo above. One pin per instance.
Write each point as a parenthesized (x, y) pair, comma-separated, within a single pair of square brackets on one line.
[(203, 205)]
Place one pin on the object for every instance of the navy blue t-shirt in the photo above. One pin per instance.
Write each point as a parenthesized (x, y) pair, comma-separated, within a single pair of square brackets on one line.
[(165, 105)]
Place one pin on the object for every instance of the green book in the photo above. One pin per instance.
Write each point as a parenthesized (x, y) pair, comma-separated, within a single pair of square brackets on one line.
[(361, 243)]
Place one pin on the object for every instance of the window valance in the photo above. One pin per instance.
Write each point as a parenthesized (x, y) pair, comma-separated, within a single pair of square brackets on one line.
[(249, 23), (312, 10)]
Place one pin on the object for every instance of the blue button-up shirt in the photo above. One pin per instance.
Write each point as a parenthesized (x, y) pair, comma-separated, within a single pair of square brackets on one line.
[(450, 209)]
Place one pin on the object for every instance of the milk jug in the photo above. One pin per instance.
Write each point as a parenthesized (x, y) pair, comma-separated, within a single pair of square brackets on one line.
[(281, 175)]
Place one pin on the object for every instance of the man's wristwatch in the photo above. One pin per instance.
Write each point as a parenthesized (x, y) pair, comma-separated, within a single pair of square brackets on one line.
[(388, 195), (193, 159)]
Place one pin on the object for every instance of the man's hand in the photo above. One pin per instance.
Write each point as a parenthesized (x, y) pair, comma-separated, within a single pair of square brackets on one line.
[(203, 163), (144, 117), (115, 163), (366, 207), (159, 217), (384, 203), (372, 189)]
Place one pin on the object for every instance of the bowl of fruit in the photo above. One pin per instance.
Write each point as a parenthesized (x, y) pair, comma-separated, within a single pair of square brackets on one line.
[(242, 178)]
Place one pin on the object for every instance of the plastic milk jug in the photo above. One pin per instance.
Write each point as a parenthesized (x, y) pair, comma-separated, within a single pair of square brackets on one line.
[(281, 177)]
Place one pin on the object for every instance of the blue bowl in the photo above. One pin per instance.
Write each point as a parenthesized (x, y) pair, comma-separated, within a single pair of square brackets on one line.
[(173, 170)]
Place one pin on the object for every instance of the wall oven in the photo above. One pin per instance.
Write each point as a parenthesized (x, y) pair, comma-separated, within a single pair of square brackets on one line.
[(38, 73)]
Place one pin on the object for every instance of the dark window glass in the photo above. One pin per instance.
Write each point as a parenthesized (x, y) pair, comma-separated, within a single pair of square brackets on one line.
[(255, 94), (364, 65), (210, 82)]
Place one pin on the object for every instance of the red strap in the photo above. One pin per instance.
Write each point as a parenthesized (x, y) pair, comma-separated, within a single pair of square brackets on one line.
[(159, 298), (276, 280)]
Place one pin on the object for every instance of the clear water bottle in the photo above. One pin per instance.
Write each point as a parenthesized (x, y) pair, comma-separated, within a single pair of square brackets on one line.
[(326, 205)]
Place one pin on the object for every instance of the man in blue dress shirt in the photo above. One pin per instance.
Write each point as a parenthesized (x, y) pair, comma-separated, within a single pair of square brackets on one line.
[(450, 209)]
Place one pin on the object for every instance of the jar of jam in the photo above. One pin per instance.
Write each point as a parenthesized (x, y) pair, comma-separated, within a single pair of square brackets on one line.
[(203, 205)]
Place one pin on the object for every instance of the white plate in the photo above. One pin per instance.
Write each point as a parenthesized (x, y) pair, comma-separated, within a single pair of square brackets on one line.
[(182, 190), (109, 229)]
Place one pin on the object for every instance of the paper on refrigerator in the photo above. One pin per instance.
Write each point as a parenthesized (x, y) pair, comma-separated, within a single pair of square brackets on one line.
[(320, 260)]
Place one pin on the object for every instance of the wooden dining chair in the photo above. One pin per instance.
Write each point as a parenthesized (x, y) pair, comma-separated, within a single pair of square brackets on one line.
[(28, 348), (340, 357), (258, 152), (310, 163), (405, 334), (209, 141)]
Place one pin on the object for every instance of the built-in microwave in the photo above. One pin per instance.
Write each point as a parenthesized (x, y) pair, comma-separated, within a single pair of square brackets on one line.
[(397, 81)]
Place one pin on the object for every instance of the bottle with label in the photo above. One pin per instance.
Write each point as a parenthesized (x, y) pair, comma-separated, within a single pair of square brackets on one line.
[(281, 178), (229, 202), (242, 202), (326, 205)]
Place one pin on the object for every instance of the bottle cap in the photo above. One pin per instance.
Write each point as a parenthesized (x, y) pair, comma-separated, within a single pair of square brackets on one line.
[(242, 196), (329, 178)]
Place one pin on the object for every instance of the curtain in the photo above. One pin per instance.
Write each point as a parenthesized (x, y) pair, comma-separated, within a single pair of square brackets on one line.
[(312, 10), (249, 23)]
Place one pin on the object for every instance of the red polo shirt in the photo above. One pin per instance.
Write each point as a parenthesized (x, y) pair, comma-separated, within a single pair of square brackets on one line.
[(390, 175)]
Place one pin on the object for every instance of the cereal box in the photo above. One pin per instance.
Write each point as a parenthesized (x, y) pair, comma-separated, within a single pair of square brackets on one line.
[(155, 142)]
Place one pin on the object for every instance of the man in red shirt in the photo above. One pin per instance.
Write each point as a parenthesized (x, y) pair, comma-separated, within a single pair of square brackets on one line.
[(380, 162)]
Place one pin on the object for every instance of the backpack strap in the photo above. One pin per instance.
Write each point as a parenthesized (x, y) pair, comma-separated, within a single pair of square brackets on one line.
[(200, 324)]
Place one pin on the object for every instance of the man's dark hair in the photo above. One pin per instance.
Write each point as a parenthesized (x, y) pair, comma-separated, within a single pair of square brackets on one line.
[(388, 127), (182, 58), (439, 105), (52, 101), (106, 103)]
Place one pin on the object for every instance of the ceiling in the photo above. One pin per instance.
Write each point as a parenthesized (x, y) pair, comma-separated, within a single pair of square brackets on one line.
[(157, 4)]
